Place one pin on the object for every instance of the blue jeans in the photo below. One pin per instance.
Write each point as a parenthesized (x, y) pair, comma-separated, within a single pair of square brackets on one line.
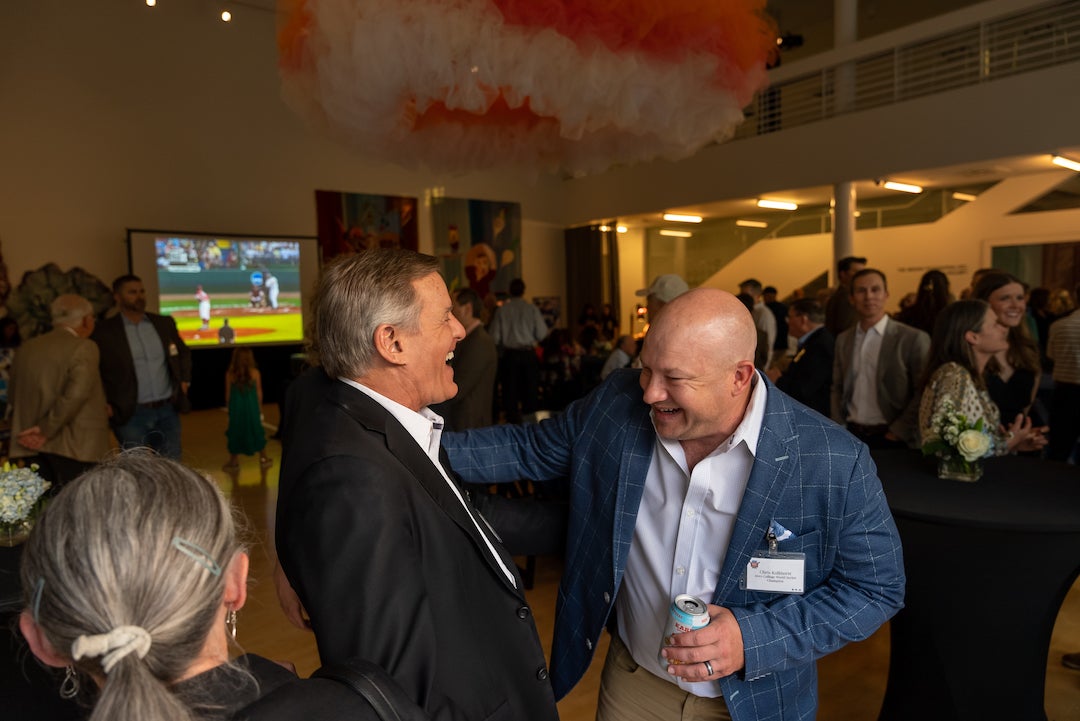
[(158, 428)]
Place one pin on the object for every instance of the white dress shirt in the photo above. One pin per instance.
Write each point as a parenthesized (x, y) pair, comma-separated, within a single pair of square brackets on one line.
[(863, 408), (425, 428), (681, 536)]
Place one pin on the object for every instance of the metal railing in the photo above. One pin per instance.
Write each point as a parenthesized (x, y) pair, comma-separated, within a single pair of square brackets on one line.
[(1019, 41)]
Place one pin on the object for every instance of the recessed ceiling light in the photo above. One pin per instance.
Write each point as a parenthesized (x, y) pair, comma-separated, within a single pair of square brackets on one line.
[(777, 204), (1066, 163), (605, 228), (226, 16), (681, 218), (676, 233), (902, 187), (751, 224), (620, 228)]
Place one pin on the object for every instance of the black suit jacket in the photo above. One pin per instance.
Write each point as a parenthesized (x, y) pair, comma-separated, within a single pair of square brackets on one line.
[(808, 378), (118, 367), (390, 567)]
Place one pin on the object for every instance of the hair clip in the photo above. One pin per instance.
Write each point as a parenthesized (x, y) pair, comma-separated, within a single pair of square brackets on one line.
[(197, 554), (35, 602)]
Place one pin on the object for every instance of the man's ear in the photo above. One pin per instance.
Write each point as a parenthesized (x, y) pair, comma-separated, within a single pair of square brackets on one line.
[(39, 645), (388, 344), (744, 375)]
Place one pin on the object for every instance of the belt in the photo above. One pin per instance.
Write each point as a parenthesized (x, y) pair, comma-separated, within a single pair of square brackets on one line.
[(156, 404), (861, 430)]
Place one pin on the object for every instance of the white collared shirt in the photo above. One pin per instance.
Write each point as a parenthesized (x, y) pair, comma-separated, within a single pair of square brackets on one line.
[(681, 536), (425, 428), (863, 406)]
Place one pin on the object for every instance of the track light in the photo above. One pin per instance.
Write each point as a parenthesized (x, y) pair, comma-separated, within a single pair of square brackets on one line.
[(902, 187), (1066, 163), (681, 218), (777, 204)]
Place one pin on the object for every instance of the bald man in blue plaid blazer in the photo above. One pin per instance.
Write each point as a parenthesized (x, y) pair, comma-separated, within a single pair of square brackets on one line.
[(810, 483)]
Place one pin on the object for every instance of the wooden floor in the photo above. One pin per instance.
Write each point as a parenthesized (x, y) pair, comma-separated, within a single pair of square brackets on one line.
[(852, 681)]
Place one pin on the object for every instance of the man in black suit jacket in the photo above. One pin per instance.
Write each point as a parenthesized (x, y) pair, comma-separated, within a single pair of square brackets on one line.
[(388, 556), (146, 370), (808, 377)]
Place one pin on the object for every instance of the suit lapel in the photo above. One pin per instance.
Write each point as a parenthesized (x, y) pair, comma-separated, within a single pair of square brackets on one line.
[(637, 449), (404, 448), (774, 465)]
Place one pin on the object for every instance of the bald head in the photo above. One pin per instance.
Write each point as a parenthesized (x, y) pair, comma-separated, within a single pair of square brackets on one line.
[(697, 369), (713, 320), (74, 312)]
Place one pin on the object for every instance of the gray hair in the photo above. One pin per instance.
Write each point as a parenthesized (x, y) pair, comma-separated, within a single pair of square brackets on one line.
[(69, 310), (104, 554), (356, 294)]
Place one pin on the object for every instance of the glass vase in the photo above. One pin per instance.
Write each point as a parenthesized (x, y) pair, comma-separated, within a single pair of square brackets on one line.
[(13, 534), (955, 468)]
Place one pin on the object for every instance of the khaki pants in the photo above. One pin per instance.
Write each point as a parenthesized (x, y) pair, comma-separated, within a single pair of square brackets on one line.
[(630, 693)]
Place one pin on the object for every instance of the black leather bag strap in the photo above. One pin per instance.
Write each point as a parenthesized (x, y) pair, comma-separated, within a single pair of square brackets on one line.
[(374, 684)]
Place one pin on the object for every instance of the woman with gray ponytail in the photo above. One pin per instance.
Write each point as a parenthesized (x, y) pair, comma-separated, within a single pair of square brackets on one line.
[(132, 576)]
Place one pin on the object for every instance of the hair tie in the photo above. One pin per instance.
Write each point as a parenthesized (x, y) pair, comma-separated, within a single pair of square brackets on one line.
[(198, 554), (112, 646)]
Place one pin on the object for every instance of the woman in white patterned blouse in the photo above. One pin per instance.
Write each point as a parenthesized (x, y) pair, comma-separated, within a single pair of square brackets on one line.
[(966, 336)]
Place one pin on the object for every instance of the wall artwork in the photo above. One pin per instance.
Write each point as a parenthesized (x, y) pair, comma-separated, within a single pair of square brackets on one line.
[(350, 222), (478, 243)]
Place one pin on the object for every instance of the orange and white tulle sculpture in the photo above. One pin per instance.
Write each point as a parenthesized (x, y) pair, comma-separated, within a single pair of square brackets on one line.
[(573, 85)]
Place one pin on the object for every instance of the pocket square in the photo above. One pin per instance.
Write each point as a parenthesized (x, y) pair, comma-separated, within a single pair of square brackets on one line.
[(781, 533)]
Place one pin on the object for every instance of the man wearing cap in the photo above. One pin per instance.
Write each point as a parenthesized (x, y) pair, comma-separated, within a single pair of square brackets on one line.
[(663, 290)]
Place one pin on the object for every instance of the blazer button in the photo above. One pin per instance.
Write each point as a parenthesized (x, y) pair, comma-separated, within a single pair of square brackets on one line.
[(607, 597), (523, 612), (542, 674)]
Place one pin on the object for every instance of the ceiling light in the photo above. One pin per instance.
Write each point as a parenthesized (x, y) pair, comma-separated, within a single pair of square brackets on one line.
[(902, 187), (226, 16), (777, 204), (680, 218), (675, 233), (751, 224), (151, 3), (620, 228), (1066, 163), (605, 228), (966, 197)]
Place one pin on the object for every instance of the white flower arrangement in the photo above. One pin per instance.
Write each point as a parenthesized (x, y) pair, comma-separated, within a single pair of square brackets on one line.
[(954, 437), (21, 490)]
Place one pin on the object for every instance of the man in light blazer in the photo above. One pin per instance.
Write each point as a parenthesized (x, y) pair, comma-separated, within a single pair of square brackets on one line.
[(875, 391), (684, 477), (59, 412), (390, 559)]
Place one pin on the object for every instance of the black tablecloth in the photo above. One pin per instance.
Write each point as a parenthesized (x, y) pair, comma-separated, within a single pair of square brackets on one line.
[(988, 566)]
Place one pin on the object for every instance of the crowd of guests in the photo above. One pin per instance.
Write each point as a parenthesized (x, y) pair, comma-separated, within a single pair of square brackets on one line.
[(372, 483)]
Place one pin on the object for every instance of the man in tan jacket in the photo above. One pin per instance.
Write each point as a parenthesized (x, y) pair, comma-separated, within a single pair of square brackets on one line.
[(58, 400)]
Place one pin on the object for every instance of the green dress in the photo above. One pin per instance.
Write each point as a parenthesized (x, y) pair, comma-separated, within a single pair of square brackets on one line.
[(245, 433)]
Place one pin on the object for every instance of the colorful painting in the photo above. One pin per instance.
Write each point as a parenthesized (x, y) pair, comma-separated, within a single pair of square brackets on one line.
[(478, 243), (350, 222)]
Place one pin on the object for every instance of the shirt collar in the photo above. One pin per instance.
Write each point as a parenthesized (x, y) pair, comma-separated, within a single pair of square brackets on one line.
[(879, 326), (425, 426)]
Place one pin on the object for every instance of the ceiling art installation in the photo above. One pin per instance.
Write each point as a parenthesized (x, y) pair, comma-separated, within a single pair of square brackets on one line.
[(576, 86)]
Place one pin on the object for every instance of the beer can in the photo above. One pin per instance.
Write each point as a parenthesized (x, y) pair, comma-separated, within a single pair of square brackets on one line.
[(687, 613)]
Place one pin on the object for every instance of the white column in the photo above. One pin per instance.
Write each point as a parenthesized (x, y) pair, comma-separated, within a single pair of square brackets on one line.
[(845, 32)]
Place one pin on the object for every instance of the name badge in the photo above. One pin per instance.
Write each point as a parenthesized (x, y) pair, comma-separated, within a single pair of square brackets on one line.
[(775, 572), (173, 350)]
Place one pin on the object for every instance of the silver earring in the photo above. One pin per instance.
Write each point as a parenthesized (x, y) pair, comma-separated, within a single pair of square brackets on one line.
[(230, 623), (69, 689)]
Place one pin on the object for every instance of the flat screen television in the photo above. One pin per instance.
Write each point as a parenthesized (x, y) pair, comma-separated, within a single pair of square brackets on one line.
[(224, 289)]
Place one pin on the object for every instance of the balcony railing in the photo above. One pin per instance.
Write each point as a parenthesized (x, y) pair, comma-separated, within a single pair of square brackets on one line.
[(1009, 39)]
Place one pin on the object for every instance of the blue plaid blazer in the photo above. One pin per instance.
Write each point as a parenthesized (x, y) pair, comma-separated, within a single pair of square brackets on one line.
[(809, 475)]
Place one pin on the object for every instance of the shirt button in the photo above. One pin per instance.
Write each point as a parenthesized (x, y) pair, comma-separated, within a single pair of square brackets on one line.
[(542, 674), (523, 612), (607, 597), (680, 571), (690, 513)]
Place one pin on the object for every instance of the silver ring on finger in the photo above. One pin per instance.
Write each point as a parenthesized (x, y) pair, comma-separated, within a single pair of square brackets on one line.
[(708, 667)]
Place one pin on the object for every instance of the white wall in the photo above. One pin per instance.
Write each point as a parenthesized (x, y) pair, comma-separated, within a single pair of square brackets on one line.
[(115, 115)]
